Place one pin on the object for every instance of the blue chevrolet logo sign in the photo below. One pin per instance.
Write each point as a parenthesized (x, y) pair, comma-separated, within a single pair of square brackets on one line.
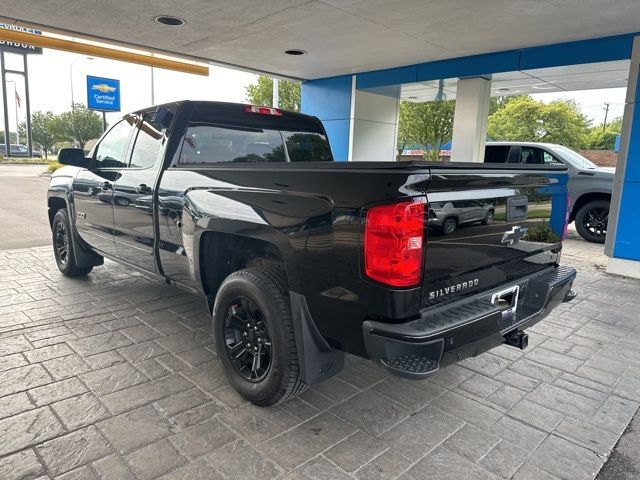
[(103, 94)]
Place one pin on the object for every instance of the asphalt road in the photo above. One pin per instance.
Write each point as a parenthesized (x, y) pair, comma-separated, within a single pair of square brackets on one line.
[(23, 207)]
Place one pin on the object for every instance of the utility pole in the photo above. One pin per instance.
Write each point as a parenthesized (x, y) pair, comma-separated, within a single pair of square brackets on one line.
[(606, 114)]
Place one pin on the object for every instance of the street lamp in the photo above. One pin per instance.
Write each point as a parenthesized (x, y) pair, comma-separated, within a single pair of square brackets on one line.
[(71, 75)]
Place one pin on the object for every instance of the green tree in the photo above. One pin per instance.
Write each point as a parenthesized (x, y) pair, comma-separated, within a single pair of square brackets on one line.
[(528, 120), (603, 137), (43, 132), (261, 93), (79, 125), (428, 125), (12, 138), (498, 103)]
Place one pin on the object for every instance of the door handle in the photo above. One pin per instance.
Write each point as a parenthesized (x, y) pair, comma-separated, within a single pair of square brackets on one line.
[(142, 188)]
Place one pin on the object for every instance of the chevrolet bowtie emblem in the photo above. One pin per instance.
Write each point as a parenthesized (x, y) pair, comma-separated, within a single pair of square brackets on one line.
[(513, 236), (103, 87)]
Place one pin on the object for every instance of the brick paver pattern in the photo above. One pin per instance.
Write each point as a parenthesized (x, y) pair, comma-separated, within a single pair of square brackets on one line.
[(115, 377)]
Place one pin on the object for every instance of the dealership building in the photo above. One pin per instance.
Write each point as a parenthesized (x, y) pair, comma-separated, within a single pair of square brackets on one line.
[(358, 59)]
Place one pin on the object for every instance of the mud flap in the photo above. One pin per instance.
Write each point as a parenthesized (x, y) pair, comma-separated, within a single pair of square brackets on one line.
[(318, 361)]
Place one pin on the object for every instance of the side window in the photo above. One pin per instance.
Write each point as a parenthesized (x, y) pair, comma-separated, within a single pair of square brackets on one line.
[(148, 142), (531, 156), (307, 147), (550, 159), (111, 151)]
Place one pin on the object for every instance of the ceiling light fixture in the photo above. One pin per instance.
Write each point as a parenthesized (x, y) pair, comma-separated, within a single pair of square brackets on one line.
[(169, 20), (295, 52)]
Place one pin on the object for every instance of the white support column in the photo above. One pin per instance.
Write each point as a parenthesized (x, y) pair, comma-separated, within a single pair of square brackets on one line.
[(623, 231), (375, 126), (470, 119)]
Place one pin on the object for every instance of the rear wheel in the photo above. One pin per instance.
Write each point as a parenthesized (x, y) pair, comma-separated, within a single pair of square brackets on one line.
[(449, 226), (591, 221), (63, 247), (253, 331), (488, 219)]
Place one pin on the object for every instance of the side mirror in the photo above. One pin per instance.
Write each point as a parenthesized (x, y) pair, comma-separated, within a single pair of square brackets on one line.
[(73, 156)]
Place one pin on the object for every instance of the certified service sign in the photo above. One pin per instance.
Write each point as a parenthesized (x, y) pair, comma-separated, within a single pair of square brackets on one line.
[(103, 94)]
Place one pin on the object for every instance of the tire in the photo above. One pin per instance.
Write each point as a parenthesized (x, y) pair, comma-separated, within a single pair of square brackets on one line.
[(63, 247), (258, 299), (591, 221), (449, 226), (121, 201), (488, 219)]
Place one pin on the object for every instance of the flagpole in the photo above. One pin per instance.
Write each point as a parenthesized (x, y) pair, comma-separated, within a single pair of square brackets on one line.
[(15, 103)]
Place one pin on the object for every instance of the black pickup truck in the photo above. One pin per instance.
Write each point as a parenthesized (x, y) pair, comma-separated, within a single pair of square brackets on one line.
[(302, 258)]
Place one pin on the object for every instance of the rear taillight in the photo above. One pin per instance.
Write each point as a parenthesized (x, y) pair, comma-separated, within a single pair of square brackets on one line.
[(566, 218), (263, 110), (393, 242)]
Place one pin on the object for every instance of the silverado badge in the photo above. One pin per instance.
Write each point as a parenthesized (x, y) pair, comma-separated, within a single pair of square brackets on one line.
[(453, 288)]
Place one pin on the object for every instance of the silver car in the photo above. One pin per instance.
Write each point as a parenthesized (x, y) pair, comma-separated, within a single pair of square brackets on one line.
[(590, 186), (447, 216)]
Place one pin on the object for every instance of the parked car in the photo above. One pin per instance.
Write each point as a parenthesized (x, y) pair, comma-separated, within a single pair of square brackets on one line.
[(449, 215), (301, 258), (16, 150), (21, 151), (590, 186)]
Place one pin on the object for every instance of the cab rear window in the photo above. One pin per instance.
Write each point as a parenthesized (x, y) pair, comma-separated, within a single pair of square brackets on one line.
[(496, 153), (211, 143)]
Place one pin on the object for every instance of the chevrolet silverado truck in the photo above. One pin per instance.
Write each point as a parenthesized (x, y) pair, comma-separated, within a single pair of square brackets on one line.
[(301, 258), (590, 186)]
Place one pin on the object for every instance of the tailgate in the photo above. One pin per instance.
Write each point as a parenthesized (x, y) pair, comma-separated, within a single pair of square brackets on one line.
[(490, 226)]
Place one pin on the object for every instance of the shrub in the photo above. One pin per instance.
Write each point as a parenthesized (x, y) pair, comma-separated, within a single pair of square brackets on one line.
[(541, 232), (53, 166)]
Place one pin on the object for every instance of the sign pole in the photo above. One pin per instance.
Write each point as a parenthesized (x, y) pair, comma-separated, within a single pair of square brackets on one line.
[(7, 140), (27, 104), (104, 122)]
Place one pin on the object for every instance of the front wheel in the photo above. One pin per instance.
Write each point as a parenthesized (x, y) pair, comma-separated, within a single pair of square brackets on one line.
[(253, 332), (63, 247), (591, 221)]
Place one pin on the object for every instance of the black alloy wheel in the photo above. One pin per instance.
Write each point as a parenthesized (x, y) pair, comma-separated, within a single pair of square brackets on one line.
[(61, 243), (63, 246), (591, 221), (254, 336), (247, 340)]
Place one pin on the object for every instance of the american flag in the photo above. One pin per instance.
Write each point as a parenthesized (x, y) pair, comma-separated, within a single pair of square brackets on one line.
[(18, 100)]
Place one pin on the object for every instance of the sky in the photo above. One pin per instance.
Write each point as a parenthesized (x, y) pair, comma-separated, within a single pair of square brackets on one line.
[(54, 76), (51, 74), (592, 102)]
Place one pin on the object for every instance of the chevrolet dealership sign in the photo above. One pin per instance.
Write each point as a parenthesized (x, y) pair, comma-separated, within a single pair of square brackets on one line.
[(103, 94), (19, 47)]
